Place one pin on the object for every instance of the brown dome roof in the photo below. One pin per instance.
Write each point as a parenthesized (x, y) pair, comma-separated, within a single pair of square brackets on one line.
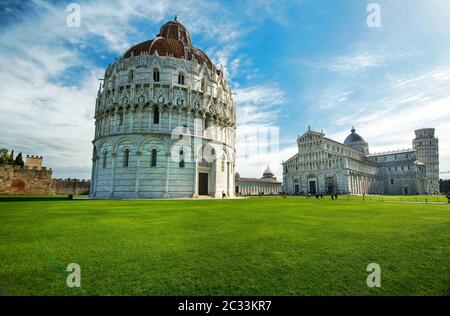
[(173, 40)]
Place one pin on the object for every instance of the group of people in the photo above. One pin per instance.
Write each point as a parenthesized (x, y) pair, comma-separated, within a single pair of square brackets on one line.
[(334, 196)]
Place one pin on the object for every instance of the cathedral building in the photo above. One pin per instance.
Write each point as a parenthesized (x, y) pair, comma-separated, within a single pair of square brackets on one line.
[(323, 165), (164, 123), (267, 185)]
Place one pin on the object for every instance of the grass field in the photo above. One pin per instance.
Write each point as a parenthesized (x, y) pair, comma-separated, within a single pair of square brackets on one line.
[(259, 246)]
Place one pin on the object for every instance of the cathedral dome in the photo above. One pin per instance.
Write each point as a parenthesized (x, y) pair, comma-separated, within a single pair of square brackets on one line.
[(357, 142), (353, 138), (268, 173), (173, 40)]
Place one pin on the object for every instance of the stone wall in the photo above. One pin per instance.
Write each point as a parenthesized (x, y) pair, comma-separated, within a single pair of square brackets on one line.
[(71, 186), (32, 181), (25, 181), (33, 161)]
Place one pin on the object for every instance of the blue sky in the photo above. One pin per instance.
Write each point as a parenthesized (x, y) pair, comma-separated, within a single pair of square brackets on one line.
[(292, 64)]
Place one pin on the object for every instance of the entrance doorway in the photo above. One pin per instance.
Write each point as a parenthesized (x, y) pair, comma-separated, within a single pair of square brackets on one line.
[(203, 183), (312, 187)]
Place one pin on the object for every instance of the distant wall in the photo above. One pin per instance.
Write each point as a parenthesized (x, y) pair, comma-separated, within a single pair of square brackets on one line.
[(71, 186), (20, 180)]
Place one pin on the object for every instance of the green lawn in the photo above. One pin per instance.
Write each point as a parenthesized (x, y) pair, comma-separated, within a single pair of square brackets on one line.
[(400, 198), (259, 246)]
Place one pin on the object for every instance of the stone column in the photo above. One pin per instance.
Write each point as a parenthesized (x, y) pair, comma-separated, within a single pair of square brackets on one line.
[(124, 120), (353, 185), (94, 175), (215, 169), (170, 119), (115, 121), (195, 195), (109, 123), (188, 114), (228, 178), (160, 109), (140, 119), (150, 117), (113, 165), (166, 193), (138, 161)]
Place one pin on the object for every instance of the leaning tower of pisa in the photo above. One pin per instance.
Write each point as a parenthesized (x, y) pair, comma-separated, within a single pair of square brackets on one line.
[(427, 146)]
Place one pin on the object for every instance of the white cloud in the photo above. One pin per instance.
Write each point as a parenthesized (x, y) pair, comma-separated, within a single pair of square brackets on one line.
[(259, 104), (258, 138), (48, 84)]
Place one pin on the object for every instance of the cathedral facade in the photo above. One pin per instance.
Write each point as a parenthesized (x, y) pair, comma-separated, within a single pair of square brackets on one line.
[(323, 165), (164, 123)]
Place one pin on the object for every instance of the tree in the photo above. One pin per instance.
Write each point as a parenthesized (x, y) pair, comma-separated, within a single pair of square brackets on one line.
[(445, 186), (11, 158), (19, 160), (4, 156)]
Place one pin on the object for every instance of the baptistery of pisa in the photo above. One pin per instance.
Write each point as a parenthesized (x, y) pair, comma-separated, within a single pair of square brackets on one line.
[(164, 123)]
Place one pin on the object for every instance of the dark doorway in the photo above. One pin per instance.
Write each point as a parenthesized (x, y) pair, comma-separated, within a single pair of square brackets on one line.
[(297, 189), (312, 187), (202, 183)]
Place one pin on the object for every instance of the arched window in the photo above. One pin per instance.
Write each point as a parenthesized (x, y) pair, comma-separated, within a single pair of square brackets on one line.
[(113, 82), (126, 156), (153, 158), (181, 79), (105, 157), (181, 163), (121, 114), (155, 115), (130, 76), (203, 84), (155, 75)]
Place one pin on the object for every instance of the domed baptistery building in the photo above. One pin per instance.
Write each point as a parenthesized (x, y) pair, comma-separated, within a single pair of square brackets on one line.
[(164, 123)]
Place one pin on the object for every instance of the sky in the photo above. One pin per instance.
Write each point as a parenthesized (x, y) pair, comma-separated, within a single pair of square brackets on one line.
[(291, 65)]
